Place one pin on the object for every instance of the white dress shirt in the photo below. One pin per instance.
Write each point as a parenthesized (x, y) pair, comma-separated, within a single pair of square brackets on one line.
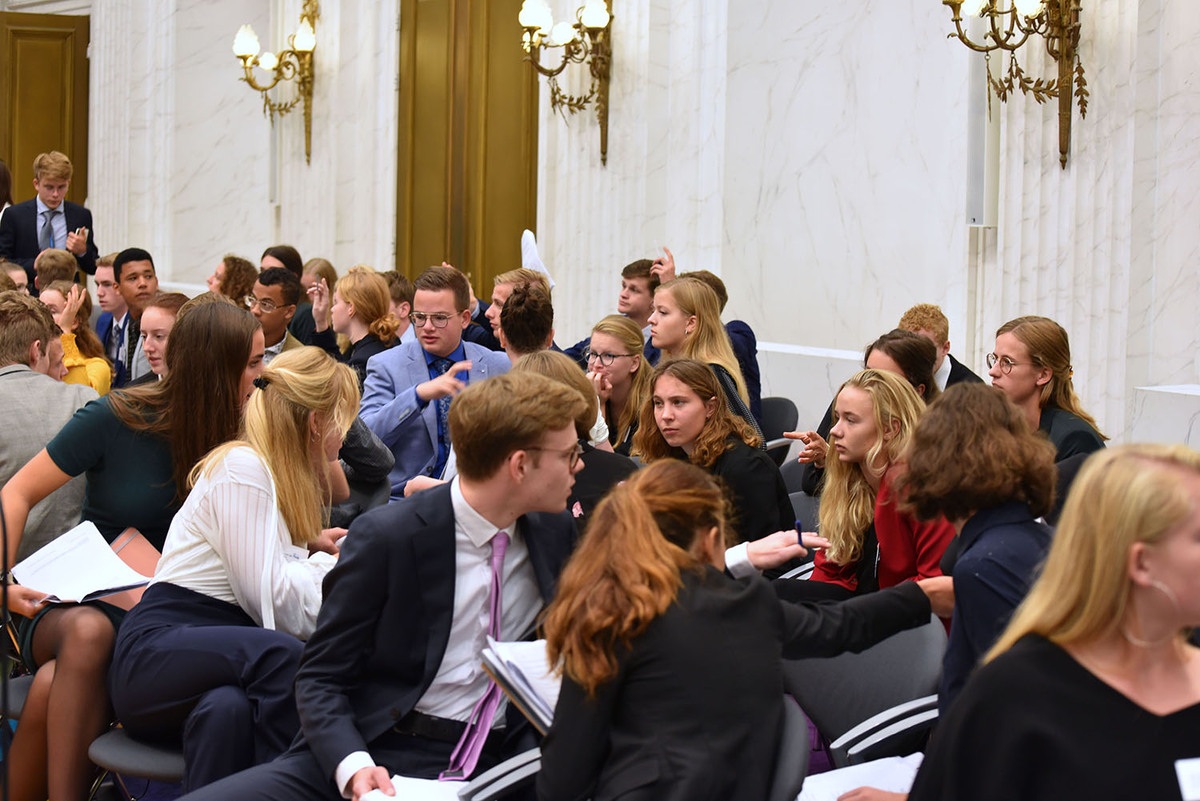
[(460, 680), (229, 542), (943, 374)]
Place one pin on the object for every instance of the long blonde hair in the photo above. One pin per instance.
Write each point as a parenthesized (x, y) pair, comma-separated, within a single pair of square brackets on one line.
[(709, 342), (630, 336), (296, 385), (1123, 495), (1048, 346), (848, 501)]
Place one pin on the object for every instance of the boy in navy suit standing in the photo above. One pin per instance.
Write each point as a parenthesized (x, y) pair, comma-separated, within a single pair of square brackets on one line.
[(49, 220)]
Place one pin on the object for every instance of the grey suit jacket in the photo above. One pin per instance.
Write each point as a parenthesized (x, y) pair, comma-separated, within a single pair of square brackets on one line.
[(36, 407), (391, 409)]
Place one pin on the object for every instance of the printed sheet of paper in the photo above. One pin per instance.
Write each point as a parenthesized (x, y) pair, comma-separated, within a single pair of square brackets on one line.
[(77, 566)]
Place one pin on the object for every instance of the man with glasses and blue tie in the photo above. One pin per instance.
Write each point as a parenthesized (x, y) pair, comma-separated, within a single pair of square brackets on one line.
[(48, 220), (407, 393)]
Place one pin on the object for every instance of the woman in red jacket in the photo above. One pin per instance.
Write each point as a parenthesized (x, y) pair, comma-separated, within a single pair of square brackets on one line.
[(873, 542)]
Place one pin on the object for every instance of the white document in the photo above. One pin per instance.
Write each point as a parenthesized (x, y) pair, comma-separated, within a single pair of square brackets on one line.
[(77, 566), (892, 774), (408, 789), (528, 668)]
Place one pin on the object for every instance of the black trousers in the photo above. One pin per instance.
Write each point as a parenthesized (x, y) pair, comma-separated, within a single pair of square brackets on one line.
[(189, 668)]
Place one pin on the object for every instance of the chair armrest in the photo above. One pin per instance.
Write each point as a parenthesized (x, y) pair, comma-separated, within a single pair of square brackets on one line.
[(801, 573), (901, 738), (508, 775), (778, 449), (884, 718)]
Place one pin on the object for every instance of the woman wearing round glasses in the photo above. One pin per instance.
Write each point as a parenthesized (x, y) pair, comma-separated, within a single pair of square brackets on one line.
[(620, 375), (1032, 366)]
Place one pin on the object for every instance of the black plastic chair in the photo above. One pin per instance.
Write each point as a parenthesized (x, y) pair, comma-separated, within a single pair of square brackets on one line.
[(857, 700), (778, 415)]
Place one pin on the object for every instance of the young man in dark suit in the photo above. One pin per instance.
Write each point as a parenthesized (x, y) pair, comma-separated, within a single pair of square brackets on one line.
[(391, 680), (48, 220), (930, 322)]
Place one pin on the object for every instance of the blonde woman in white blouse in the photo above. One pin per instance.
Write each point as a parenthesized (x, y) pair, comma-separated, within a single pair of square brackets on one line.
[(209, 655)]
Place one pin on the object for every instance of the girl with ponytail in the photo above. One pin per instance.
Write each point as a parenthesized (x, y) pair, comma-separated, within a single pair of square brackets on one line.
[(360, 310), (1032, 366)]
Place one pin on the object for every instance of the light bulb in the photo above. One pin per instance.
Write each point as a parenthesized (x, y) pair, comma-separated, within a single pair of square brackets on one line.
[(268, 61), (561, 34), (543, 17), (595, 15), (305, 39), (976, 7), (245, 43), (1028, 8), (529, 16)]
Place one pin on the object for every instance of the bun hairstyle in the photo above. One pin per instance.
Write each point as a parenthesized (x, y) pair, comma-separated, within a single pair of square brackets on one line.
[(367, 291)]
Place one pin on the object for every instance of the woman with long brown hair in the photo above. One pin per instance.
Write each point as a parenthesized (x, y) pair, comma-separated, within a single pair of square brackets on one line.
[(687, 417), (136, 448), (672, 682)]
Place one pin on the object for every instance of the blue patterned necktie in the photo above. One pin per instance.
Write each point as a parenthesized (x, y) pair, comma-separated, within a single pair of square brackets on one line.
[(442, 365)]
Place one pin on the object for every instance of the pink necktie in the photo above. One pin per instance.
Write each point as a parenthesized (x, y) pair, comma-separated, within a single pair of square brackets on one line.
[(466, 753)]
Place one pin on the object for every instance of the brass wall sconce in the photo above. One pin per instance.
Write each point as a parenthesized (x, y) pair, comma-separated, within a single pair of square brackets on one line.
[(295, 63), (1009, 25), (588, 40)]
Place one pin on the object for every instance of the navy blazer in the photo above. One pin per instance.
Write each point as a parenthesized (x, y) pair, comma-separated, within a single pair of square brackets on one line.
[(385, 620), (391, 409), (104, 324), (999, 553), (19, 235)]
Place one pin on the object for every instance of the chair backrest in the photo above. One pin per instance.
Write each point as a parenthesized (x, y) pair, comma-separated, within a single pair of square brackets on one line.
[(839, 692), (793, 474), (791, 760), (807, 509), (778, 415)]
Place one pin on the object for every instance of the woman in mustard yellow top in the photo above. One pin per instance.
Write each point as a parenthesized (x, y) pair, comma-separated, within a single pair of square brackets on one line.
[(83, 354)]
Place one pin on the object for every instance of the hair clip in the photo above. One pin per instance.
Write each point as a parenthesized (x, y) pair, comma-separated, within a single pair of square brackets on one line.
[(261, 382)]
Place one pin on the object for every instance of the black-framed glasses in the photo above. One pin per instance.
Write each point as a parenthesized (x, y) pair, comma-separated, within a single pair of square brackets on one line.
[(265, 305), (439, 320), (573, 453), (1006, 364), (605, 359)]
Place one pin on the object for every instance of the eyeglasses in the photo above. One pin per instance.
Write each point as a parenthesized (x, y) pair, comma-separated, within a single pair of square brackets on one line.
[(573, 454), (605, 359), (265, 305), (439, 320), (1006, 364)]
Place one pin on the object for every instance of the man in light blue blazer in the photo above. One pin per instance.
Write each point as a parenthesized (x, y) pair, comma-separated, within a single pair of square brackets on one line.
[(407, 393)]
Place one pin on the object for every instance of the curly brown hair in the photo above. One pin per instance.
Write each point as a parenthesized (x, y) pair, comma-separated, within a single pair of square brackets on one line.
[(973, 449)]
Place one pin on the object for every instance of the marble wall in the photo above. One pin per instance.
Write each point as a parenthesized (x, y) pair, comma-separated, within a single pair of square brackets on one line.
[(814, 155), (185, 163)]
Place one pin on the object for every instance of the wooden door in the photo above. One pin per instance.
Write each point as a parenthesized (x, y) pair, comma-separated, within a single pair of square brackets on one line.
[(43, 96), (467, 177)]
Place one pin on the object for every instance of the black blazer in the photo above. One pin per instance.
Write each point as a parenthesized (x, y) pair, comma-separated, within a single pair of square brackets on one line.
[(694, 711), (960, 372), (19, 235), (385, 619), (756, 490), (1071, 434)]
